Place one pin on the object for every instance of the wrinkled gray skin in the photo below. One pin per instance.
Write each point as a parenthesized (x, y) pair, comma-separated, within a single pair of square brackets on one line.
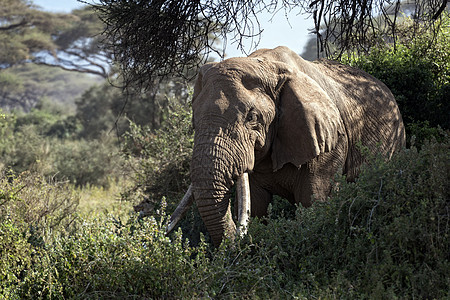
[(290, 123)]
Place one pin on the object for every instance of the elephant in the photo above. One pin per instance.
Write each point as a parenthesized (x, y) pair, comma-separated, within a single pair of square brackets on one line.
[(276, 124)]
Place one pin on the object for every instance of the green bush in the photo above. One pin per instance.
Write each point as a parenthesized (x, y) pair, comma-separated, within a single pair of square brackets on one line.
[(107, 259), (15, 257), (384, 236), (161, 161), (24, 149), (417, 73), (49, 120), (30, 209), (164, 155), (102, 258), (84, 162), (162, 158), (27, 145), (95, 111)]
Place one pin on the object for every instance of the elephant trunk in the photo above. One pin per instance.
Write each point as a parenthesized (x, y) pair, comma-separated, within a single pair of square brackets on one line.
[(213, 171)]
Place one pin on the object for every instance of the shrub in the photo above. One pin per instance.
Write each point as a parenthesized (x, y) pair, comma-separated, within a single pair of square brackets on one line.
[(15, 256), (87, 161), (386, 235), (105, 258), (418, 74), (94, 111), (39, 202), (163, 156), (25, 149), (49, 120), (421, 132), (22, 148), (30, 208), (159, 172), (161, 160), (26, 146)]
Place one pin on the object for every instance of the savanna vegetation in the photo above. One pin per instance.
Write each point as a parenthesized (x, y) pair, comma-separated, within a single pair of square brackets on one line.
[(90, 173)]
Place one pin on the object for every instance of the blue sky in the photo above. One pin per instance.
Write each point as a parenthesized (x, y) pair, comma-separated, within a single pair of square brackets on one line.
[(58, 5), (278, 31)]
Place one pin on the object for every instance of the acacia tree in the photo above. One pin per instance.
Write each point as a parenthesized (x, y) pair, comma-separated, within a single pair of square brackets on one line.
[(68, 41), (77, 45), (24, 30), (166, 37)]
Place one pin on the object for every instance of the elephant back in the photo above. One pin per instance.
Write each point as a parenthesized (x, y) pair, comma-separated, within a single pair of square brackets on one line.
[(368, 108)]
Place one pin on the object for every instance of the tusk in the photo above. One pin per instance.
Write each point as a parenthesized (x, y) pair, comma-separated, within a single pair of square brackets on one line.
[(243, 202), (182, 208)]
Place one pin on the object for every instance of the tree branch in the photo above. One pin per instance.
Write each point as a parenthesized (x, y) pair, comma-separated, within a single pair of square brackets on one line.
[(440, 10), (83, 70), (12, 26)]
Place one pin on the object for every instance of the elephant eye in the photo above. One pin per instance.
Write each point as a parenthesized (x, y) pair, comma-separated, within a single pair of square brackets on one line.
[(252, 116)]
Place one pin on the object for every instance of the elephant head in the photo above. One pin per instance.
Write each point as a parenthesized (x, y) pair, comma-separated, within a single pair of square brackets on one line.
[(270, 106)]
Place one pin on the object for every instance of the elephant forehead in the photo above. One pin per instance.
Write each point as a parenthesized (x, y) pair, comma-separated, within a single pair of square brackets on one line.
[(222, 103), (213, 104), (230, 93), (224, 92)]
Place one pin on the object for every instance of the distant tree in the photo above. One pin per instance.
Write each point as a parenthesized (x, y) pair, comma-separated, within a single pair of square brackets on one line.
[(24, 86), (68, 41), (95, 110), (311, 50), (163, 37), (106, 108), (78, 46), (24, 30)]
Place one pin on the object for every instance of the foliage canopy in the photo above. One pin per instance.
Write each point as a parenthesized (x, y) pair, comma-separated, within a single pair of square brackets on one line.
[(178, 37), (68, 41)]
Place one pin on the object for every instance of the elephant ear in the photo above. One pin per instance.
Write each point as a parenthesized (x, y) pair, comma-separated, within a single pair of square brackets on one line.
[(309, 122)]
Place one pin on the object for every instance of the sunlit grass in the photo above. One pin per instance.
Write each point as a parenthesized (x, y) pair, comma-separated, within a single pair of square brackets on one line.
[(96, 200)]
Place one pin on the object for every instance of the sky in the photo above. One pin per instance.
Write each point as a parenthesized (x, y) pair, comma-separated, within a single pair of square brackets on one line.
[(58, 5), (277, 31)]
